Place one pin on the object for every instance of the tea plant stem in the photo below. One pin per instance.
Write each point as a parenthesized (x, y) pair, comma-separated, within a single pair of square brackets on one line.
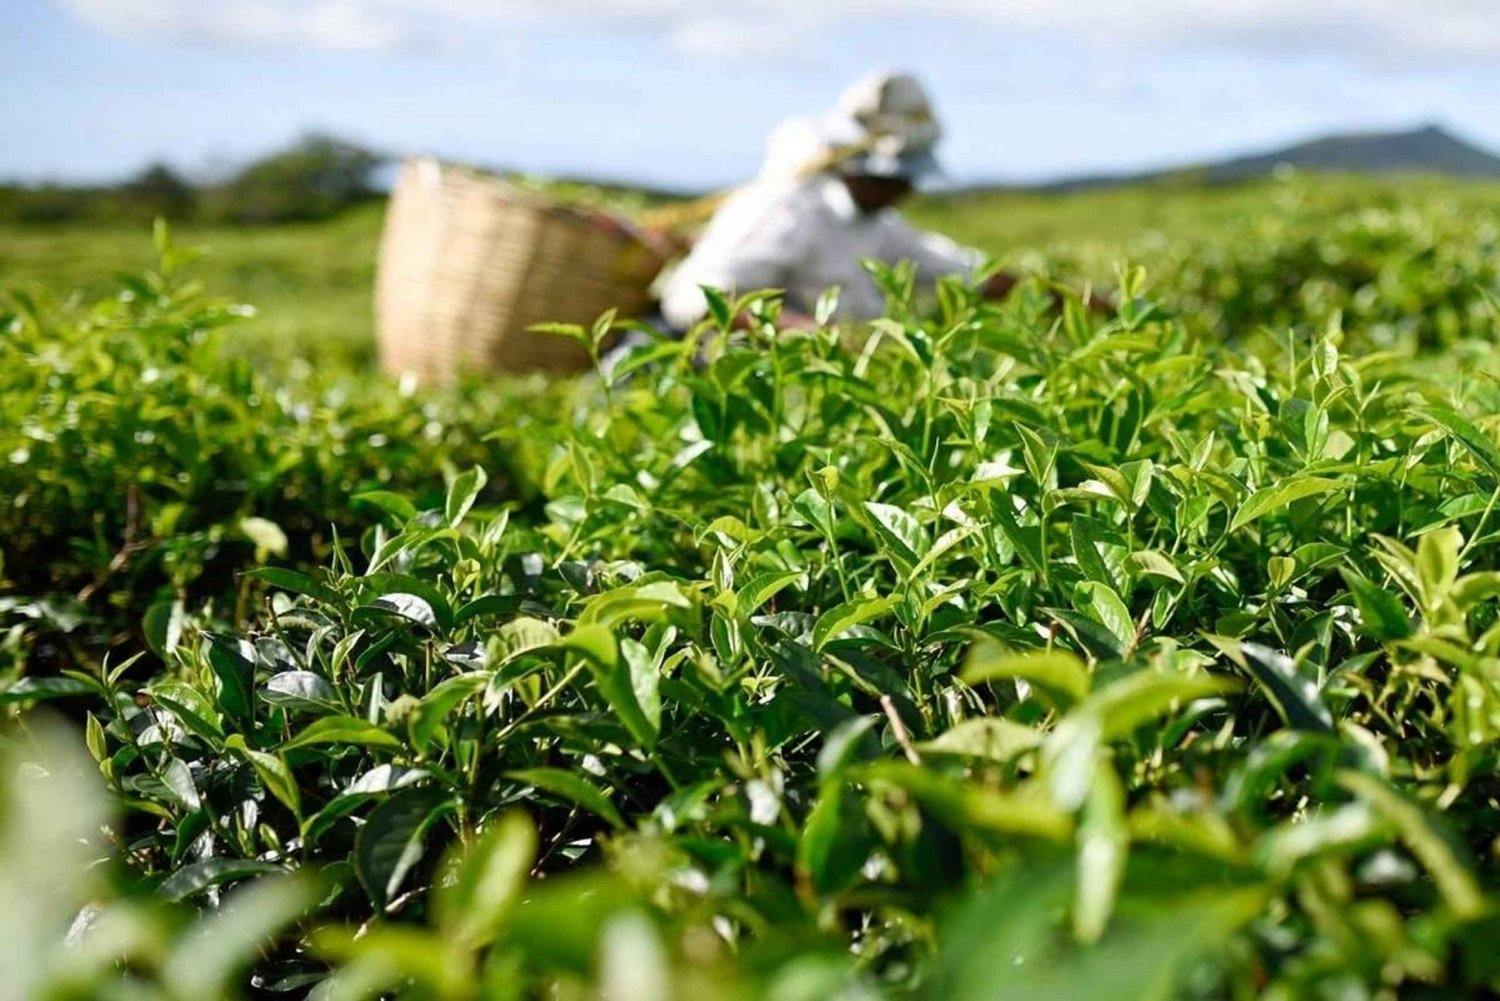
[(544, 700), (898, 730)]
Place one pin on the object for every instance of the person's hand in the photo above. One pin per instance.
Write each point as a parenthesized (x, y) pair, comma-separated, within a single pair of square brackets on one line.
[(1098, 302), (1002, 283), (999, 285), (791, 319), (788, 319)]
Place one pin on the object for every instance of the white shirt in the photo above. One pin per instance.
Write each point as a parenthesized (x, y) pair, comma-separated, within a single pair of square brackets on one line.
[(803, 236)]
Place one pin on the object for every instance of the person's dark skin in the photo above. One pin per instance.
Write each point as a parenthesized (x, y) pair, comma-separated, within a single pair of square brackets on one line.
[(876, 194)]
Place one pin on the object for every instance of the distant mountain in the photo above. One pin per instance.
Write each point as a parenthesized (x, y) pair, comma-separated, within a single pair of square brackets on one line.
[(1429, 150)]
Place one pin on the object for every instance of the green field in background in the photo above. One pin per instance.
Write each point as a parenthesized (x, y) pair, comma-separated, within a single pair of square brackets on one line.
[(311, 282)]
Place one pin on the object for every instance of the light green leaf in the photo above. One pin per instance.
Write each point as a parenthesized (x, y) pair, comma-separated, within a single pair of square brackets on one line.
[(437, 704), (1101, 603), (463, 493), (519, 636), (1437, 563), (1129, 703), (759, 590), (272, 771), (265, 534), (1466, 433), (963, 806), (489, 877), (1103, 843), (1058, 671), (986, 737), (834, 622), (347, 730), (1156, 564), (899, 534), (646, 602), (613, 677)]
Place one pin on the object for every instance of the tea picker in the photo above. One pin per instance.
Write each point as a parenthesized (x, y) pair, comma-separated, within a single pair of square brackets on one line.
[(824, 202)]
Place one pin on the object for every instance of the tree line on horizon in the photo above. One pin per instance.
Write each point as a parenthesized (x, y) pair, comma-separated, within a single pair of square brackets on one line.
[(314, 178)]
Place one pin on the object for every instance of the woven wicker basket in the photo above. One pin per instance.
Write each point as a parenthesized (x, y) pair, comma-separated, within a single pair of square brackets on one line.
[(468, 262)]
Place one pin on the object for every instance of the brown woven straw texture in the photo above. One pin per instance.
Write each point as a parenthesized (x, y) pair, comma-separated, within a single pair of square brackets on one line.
[(468, 262)]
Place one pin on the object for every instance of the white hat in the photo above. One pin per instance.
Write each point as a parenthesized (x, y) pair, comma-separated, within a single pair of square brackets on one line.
[(890, 114), (892, 104), (885, 117)]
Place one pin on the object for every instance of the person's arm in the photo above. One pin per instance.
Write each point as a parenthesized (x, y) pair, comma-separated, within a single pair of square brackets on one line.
[(936, 255)]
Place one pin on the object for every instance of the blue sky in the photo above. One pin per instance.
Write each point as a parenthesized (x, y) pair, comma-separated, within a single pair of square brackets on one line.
[(683, 92)]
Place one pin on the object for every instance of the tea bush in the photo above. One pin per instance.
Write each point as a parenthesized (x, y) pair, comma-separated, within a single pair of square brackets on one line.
[(141, 468), (1406, 265), (1000, 654)]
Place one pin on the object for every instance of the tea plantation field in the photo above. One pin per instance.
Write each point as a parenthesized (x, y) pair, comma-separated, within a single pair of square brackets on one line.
[(1008, 651), (310, 283)]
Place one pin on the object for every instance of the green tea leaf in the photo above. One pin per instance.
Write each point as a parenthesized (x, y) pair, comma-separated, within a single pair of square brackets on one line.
[(462, 494), (834, 843), (233, 664), (1103, 842), (900, 535), (834, 622), (1382, 613), (162, 626), (570, 787), (986, 737), (1156, 564), (433, 711), (389, 844), (28, 690), (1294, 696), (393, 504), (198, 876), (344, 730), (1269, 500), (1422, 835), (759, 590), (272, 771), (1104, 606), (489, 877), (1058, 671), (1129, 703), (297, 583), (1437, 563), (1467, 434), (962, 806), (613, 678), (301, 690)]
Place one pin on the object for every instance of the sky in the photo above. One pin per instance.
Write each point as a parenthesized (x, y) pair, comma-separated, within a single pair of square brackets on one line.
[(682, 93)]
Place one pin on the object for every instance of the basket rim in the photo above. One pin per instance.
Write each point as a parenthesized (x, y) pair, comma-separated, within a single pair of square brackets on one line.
[(645, 235)]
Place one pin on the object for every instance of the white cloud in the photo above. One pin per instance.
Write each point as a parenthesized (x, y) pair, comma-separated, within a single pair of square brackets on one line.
[(319, 24), (713, 38), (1384, 30)]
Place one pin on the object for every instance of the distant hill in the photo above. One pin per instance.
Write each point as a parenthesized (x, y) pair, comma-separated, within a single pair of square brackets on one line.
[(1429, 150)]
